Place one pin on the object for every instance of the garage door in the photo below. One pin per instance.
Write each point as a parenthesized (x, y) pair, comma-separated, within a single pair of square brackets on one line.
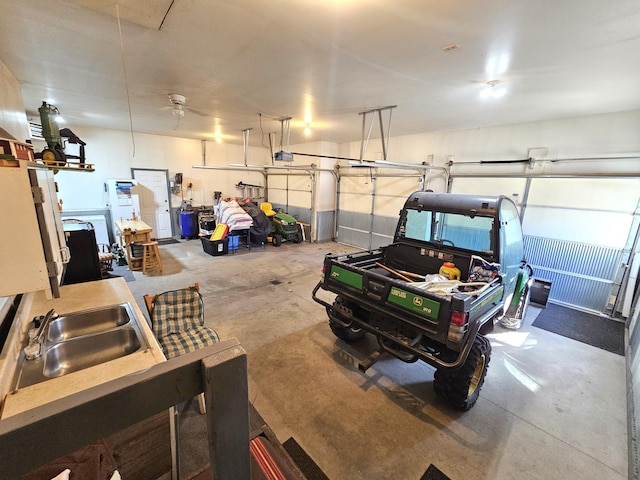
[(368, 205), (578, 232)]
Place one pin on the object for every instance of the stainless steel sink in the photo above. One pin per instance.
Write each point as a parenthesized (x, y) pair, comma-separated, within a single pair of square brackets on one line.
[(90, 350), (78, 340), (87, 322)]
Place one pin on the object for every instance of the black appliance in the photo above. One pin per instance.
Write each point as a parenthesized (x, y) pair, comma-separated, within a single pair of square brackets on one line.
[(84, 265)]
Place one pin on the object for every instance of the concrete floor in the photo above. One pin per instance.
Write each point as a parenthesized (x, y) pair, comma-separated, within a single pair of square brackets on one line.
[(550, 408)]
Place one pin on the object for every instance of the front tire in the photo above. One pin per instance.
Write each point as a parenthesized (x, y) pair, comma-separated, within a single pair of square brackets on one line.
[(461, 388)]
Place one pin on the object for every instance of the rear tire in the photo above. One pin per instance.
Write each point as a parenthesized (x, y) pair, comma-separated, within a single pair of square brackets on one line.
[(461, 388), (348, 334)]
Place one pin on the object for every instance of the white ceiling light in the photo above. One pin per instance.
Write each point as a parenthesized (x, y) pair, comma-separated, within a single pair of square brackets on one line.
[(493, 90), (451, 46), (177, 101)]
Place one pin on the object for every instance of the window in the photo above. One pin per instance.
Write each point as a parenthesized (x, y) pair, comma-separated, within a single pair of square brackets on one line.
[(448, 229)]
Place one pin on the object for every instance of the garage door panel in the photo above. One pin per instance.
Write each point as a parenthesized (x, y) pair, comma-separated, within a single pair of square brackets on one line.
[(277, 182), (511, 187), (576, 230), (385, 227), (354, 202), (397, 187), (582, 226), (606, 194), (277, 197), (388, 206)]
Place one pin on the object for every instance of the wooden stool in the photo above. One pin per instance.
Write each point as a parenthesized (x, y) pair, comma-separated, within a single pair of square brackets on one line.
[(151, 257)]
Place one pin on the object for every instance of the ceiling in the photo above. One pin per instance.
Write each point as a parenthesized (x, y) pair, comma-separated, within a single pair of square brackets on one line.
[(250, 63)]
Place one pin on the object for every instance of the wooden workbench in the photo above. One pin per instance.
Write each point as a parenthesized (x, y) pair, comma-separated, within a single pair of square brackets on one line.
[(133, 231)]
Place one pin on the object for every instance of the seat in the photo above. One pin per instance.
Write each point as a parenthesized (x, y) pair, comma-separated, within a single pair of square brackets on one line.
[(177, 321), (105, 257), (267, 208), (151, 257)]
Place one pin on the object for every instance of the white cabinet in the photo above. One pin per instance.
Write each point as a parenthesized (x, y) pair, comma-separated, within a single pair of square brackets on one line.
[(32, 244)]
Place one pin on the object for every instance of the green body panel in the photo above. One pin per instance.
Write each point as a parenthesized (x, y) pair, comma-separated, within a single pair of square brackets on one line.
[(495, 297), (287, 231), (415, 303), (346, 276), (286, 217), (521, 282)]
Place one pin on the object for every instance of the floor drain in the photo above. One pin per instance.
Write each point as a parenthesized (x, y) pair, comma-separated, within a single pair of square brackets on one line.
[(275, 282)]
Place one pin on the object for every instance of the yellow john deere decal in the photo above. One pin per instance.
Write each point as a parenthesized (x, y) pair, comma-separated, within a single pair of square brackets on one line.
[(414, 303)]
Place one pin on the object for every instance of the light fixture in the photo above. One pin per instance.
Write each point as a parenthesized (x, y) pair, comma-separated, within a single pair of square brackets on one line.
[(177, 111), (307, 129), (493, 90), (177, 101), (451, 46)]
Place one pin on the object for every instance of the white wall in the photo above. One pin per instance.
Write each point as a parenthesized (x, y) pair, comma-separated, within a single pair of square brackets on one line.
[(114, 154), (606, 135)]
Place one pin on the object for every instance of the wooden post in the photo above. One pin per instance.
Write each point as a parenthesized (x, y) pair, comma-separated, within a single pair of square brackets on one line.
[(38, 436), (228, 414)]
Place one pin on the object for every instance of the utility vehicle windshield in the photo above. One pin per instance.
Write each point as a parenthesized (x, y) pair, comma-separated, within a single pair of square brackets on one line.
[(440, 228)]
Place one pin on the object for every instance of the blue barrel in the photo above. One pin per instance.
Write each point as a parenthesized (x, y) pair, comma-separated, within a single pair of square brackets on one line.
[(189, 224)]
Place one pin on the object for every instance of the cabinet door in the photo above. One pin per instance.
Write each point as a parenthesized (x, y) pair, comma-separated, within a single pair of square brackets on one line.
[(53, 239), (22, 263)]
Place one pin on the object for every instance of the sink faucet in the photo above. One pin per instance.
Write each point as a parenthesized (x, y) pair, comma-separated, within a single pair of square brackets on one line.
[(33, 351), (51, 314)]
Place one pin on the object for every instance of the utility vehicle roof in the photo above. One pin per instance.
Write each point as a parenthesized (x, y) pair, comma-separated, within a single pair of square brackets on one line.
[(482, 205)]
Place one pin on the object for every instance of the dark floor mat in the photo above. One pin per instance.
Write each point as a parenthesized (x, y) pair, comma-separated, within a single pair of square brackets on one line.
[(122, 271), (304, 462), (434, 473), (168, 241), (596, 331)]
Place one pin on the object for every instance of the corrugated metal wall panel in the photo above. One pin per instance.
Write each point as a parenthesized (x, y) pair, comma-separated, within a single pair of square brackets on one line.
[(578, 258), (385, 226), (355, 229), (326, 226), (353, 238), (581, 275), (576, 291)]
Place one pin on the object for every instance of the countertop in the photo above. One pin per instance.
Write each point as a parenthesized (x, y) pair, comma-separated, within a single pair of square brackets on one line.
[(81, 296), (133, 225)]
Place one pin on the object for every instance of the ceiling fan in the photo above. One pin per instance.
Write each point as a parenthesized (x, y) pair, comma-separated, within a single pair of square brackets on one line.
[(178, 103)]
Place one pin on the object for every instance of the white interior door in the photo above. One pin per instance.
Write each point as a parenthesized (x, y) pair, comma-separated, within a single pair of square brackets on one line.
[(153, 191)]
